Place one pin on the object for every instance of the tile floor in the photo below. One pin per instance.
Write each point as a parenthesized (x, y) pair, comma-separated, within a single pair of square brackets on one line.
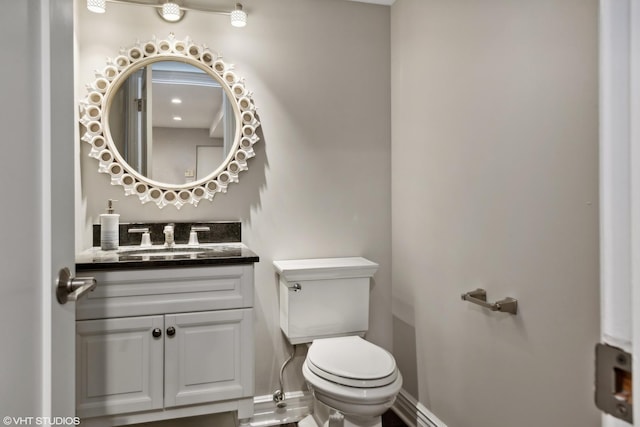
[(390, 419)]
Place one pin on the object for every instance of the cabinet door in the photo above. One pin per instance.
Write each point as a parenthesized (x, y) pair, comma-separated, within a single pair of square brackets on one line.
[(119, 365), (209, 358)]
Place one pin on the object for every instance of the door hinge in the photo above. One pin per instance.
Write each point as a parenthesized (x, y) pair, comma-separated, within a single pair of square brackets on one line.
[(614, 393)]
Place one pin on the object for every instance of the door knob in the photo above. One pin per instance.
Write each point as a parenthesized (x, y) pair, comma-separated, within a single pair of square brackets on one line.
[(171, 331), (72, 288), (156, 332)]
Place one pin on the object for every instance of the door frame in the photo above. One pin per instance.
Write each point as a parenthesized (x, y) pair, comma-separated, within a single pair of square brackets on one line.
[(620, 181), (634, 139)]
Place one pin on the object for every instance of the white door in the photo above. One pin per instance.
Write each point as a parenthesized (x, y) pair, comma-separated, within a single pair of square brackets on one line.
[(58, 129), (620, 182), (36, 361)]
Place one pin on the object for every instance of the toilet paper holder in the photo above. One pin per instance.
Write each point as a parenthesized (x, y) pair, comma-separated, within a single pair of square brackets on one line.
[(479, 296)]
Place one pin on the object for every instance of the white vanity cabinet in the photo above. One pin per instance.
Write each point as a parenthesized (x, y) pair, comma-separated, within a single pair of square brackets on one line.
[(163, 343)]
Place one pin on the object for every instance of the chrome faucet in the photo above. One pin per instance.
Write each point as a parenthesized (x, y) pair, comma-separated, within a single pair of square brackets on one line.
[(169, 240)]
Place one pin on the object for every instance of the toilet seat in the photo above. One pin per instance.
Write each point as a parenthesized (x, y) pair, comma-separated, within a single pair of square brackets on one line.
[(351, 361)]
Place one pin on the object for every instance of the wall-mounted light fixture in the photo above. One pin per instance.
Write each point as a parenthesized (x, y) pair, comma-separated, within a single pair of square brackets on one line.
[(171, 11), (238, 17)]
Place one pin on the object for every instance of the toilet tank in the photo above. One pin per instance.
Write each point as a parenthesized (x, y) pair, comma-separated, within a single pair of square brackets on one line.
[(325, 297)]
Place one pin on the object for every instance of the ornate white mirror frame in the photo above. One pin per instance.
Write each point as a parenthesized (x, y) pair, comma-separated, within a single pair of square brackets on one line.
[(94, 115)]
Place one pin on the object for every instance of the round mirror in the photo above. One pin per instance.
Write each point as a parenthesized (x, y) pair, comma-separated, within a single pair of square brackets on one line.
[(170, 122)]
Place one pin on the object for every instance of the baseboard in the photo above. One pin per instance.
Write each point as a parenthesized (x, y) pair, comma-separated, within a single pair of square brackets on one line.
[(300, 405), (414, 413), (267, 413)]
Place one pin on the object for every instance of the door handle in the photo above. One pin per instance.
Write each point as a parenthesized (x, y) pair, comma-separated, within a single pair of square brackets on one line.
[(72, 288)]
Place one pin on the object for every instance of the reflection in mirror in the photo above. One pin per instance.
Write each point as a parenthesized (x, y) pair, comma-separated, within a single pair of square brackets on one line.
[(172, 122)]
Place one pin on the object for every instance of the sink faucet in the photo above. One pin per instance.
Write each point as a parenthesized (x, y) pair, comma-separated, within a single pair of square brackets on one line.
[(168, 235)]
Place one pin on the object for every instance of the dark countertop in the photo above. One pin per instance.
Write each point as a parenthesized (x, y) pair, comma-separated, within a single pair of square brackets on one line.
[(136, 257)]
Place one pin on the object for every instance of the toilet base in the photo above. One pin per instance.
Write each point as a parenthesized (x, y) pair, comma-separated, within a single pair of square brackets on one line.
[(336, 419)]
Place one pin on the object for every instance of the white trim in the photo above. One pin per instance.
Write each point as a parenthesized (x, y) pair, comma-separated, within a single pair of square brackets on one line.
[(300, 405), (414, 413), (175, 413), (615, 221), (266, 413)]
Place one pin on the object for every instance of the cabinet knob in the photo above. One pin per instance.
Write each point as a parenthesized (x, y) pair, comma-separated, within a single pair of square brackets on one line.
[(156, 332), (171, 331)]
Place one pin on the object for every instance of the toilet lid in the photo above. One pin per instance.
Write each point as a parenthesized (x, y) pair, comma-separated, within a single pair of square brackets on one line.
[(351, 361)]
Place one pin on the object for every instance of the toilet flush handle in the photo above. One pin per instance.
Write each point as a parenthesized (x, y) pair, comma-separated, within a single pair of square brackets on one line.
[(296, 287)]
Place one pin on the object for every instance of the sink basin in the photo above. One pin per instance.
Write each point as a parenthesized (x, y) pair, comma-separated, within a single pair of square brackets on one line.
[(182, 251), (163, 251)]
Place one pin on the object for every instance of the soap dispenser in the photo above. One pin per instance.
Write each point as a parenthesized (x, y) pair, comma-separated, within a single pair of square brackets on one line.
[(109, 228)]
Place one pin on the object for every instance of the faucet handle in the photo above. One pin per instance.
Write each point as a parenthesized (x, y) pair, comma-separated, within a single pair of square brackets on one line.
[(193, 235), (138, 230), (145, 240)]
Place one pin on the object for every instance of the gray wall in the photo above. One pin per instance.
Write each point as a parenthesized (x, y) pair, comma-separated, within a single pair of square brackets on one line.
[(320, 183), (495, 185)]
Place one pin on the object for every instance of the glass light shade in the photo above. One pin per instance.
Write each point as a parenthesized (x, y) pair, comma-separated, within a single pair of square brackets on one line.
[(96, 6), (171, 12), (238, 17)]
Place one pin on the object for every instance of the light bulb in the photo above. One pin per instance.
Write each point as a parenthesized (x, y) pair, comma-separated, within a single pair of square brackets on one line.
[(238, 17), (171, 12), (96, 6)]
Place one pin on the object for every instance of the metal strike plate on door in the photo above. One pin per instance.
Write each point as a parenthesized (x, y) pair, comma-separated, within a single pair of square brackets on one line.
[(614, 393)]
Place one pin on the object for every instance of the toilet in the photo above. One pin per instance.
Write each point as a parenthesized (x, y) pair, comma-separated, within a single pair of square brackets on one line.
[(324, 303)]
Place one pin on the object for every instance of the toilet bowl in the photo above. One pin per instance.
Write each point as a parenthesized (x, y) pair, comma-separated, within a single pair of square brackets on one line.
[(354, 377), (325, 302)]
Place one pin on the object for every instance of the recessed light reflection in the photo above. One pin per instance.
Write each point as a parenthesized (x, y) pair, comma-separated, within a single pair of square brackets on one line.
[(177, 118), (176, 101)]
